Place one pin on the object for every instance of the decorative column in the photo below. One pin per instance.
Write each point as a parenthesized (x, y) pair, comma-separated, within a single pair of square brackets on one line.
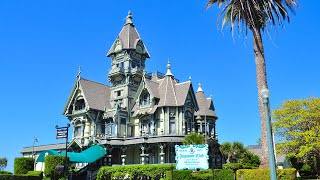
[(109, 157), (123, 156), (161, 154), (142, 155), (86, 132)]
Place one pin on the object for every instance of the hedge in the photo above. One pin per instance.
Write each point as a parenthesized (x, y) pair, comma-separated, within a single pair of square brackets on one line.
[(18, 177), (35, 173), (220, 174), (51, 162), (223, 174), (23, 164), (179, 175), (5, 172), (151, 171), (262, 174)]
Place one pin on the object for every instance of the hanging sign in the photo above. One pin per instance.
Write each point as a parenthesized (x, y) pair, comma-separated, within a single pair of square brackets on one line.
[(192, 157), (62, 133)]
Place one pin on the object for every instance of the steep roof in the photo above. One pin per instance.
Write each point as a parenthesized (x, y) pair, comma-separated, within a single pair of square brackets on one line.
[(96, 94), (204, 104), (128, 36)]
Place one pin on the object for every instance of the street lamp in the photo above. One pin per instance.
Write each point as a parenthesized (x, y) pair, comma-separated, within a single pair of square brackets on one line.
[(35, 140), (265, 94)]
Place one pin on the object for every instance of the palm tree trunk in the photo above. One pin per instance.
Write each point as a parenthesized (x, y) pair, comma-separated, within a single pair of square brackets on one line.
[(261, 76)]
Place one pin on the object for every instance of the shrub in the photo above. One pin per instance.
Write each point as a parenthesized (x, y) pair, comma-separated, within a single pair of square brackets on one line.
[(282, 174), (35, 173), (18, 177), (51, 162), (22, 165), (232, 166), (151, 171), (5, 172), (223, 174), (179, 175)]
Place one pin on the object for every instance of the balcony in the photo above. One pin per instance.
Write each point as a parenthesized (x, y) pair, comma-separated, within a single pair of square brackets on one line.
[(116, 71)]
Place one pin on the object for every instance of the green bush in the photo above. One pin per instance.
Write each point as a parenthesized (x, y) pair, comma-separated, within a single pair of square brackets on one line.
[(5, 172), (35, 173), (262, 174), (152, 171), (179, 175), (18, 177), (232, 166), (51, 162), (223, 174), (22, 165)]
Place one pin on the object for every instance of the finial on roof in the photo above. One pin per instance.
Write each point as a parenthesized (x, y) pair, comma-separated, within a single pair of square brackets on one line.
[(79, 72), (199, 88), (190, 78), (129, 18), (168, 69)]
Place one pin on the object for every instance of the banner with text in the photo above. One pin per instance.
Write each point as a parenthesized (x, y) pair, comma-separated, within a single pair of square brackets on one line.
[(192, 157)]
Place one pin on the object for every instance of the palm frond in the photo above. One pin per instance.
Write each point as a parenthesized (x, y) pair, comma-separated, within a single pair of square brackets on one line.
[(253, 13)]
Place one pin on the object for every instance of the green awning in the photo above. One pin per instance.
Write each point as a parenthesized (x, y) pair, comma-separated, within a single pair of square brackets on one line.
[(89, 155)]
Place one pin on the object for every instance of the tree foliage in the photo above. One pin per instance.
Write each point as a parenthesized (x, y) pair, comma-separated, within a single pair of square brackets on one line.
[(3, 163), (232, 152), (193, 138), (297, 126), (235, 152)]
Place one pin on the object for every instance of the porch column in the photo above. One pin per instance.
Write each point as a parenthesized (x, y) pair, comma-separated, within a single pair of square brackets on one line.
[(161, 154), (123, 156), (142, 155)]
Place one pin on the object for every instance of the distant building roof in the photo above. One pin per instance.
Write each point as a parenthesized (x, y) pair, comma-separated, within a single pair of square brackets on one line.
[(256, 149), (29, 149)]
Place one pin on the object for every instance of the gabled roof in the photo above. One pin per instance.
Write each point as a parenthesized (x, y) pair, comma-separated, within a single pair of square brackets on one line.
[(128, 36), (152, 86), (96, 95), (204, 104)]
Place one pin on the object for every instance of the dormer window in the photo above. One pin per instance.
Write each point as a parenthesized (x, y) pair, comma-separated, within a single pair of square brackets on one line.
[(145, 99), (80, 104)]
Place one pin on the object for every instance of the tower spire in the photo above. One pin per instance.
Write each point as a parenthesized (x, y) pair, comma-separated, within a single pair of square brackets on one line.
[(199, 88), (79, 72), (168, 69), (129, 18)]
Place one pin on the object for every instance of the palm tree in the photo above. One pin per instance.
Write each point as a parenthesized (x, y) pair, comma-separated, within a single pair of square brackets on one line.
[(257, 16), (232, 152)]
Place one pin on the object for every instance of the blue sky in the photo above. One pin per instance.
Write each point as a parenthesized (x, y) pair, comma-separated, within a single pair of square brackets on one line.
[(42, 43)]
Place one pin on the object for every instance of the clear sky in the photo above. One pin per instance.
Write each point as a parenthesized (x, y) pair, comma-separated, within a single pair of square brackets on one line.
[(42, 43)]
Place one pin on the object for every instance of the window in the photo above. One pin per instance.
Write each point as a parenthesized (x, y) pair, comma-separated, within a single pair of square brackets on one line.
[(78, 131), (79, 105), (118, 93), (111, 129), (145, 99), (172, 125), (188, 120)]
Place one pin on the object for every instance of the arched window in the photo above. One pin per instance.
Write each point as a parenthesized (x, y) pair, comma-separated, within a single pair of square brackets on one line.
[(145, 99), (80, 104)]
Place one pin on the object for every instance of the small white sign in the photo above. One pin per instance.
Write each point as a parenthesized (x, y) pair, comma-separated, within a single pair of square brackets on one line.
[(192, 157)]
